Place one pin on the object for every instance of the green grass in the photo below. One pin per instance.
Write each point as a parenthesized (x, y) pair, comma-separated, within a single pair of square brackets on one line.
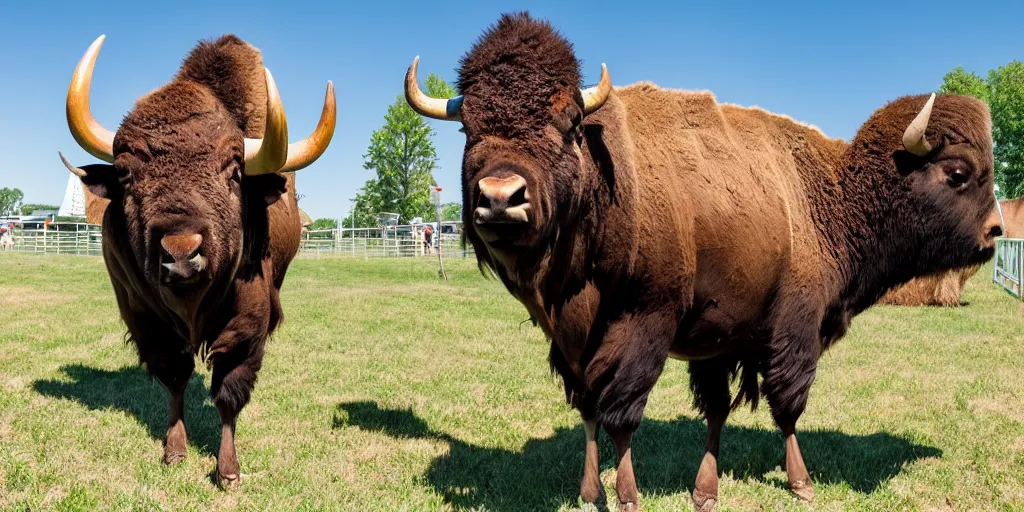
[(387, 389)]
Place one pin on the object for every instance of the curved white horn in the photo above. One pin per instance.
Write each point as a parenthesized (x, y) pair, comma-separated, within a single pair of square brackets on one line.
[(87, 131), (594, 97), (445, 110), (269, 154), (914, 139)]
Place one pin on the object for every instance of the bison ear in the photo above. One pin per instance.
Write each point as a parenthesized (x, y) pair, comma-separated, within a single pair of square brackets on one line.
[(907, 162), (101, 179), (265, 187)]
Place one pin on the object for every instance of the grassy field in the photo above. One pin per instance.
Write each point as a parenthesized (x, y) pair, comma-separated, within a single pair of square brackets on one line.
[(387, 389)]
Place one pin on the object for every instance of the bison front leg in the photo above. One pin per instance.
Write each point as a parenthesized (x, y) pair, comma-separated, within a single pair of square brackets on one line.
[(630, 360), (625, 479), (175, 444), (234, 376), (237, 357), (591, 490), (787, 384), (172, 368)]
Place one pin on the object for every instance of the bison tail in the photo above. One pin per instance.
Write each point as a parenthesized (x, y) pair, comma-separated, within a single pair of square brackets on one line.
[(748, 391)]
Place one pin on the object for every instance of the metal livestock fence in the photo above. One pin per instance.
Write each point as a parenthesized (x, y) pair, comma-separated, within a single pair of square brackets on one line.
[(386, 242), (389, 242), (56, 238), (1009, 265)]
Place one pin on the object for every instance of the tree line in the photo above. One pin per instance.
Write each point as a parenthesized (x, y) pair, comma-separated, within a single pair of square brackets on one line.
[(10, 203)]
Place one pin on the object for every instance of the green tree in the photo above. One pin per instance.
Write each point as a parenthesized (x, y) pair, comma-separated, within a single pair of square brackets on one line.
[(403, 158), (451, 211), (10, 201), (366, 206), (27, 209), (323, 223), (438, 88), (959, 81), (1003, 90), (1006, 102)]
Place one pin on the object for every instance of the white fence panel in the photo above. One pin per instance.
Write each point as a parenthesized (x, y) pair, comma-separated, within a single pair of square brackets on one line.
[(389, 242), (1009, 265), (58, 238)]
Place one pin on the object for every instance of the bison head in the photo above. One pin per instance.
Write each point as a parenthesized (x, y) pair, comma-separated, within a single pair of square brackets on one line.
[(946, 164), (521, 111), (183, 180)]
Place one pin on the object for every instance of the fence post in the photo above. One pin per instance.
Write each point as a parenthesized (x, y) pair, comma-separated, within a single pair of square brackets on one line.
[(1019, 244)]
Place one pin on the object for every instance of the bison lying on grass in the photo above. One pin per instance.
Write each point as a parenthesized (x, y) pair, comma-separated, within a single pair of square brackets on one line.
[(640, 223), (942, 289)]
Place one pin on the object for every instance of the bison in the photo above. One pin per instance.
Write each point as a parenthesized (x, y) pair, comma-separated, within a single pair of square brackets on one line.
[(202, 221), (942, 289), (639, 223), (1013, 217)]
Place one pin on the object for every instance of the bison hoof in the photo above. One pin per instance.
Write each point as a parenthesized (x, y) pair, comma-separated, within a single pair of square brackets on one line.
[(173, 457), (593, 494), (629, 506), (803, 490), (704, 502), (227, 482)]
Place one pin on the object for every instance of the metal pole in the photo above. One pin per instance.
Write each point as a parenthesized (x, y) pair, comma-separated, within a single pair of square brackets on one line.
[(1020, 268), (437, 209)]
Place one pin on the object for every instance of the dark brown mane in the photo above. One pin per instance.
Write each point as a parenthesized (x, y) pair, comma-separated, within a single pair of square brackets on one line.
[(518, 64)]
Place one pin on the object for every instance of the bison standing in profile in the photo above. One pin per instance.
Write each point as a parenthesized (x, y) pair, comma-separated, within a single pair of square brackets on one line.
[(202, 221), (638, 223)]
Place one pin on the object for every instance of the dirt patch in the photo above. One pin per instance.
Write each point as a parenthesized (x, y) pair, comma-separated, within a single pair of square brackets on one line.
[(16, 383), (1007, 406)]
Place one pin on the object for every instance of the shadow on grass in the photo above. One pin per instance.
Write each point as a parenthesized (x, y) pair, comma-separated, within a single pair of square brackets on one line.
[(666, 454), (131, 390)]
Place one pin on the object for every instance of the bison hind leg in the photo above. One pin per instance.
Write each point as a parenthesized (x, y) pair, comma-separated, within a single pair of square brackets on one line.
[(709, 382)]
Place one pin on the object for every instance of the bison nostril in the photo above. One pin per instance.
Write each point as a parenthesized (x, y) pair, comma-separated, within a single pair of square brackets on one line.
[(484, 201), (166, 257), (995, 231), (518, 198)]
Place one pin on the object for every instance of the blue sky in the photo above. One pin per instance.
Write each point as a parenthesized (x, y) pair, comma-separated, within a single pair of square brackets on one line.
[(829, 65)]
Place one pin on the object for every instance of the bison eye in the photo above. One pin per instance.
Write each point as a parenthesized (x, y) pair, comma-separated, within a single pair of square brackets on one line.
[(957, 179), (235, 169)]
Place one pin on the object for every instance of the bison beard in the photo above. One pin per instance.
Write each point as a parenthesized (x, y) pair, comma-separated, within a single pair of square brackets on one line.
[(667, 225)]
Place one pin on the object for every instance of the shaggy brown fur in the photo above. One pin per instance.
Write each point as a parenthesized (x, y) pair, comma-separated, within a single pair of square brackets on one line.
[(667, 224), (178, 175)]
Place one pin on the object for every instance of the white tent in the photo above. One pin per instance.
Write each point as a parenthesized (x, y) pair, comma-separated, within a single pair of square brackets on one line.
[(74, 199)]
